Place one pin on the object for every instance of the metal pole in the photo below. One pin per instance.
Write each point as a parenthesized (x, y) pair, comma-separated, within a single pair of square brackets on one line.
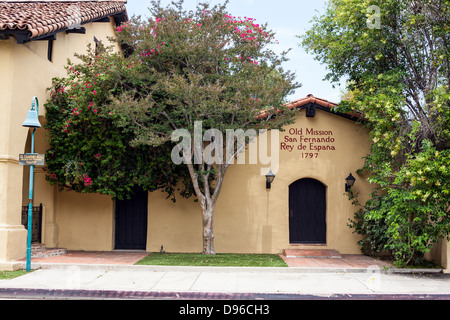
[(30, 197), (30, 207)]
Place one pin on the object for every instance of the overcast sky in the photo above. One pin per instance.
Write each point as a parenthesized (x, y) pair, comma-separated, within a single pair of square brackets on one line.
[(288, 18)]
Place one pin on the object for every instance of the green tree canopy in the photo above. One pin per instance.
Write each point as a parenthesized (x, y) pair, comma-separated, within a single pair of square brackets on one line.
[(210, 67), (181, 68), (395, 58)]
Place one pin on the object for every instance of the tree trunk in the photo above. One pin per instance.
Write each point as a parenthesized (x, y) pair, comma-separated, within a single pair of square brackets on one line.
[(207, 203), (208, 232)]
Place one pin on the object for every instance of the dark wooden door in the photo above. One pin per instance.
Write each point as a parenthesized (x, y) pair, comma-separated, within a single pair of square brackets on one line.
[(307, 212), (131, 222)]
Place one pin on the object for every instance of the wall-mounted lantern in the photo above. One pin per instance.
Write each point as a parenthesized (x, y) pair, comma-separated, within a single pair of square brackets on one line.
[(349, 182), (269, 179), (311, 111)]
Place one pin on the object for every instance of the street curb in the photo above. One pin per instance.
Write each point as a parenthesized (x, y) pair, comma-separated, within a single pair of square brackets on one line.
[(217, 297), (115, 267), (414, 271)]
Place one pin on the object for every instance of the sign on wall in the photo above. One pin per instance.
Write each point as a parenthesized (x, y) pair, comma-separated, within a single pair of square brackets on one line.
[(32, 159), (309, 142)]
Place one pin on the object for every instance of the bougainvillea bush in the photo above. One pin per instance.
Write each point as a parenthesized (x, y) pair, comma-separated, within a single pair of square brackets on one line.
[(89, 152)]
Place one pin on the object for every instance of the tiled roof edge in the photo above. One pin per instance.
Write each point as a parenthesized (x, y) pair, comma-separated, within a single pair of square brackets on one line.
[(324, 104), (41, 18)]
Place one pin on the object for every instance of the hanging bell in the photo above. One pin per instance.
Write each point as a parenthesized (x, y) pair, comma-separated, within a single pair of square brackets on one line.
[(32, 119)]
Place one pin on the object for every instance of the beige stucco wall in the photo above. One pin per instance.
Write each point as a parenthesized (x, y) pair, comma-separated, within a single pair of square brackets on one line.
[(440, 254), (25, 73), (250, 218), (85, 221)]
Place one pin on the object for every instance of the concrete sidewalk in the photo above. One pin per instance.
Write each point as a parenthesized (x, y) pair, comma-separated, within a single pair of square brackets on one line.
[(114, 274), (321, 282)]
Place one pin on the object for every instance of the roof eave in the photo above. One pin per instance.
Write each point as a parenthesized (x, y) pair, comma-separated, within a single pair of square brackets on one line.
[(321, 104), (24, 35)]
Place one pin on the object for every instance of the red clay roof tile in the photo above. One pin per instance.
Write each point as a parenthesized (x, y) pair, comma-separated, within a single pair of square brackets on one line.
[(45, 17), (297, 104)]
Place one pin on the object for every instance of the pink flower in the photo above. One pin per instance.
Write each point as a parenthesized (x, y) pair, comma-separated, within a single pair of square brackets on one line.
[(94, 92), (87, 180), (122, 27), (95, 110)]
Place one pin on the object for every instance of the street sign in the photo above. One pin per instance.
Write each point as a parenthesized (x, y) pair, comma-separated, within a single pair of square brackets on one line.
[(32, 159)]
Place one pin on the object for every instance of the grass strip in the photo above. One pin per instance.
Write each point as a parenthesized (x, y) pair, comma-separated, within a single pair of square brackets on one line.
[(217, 260), (7, 275)]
